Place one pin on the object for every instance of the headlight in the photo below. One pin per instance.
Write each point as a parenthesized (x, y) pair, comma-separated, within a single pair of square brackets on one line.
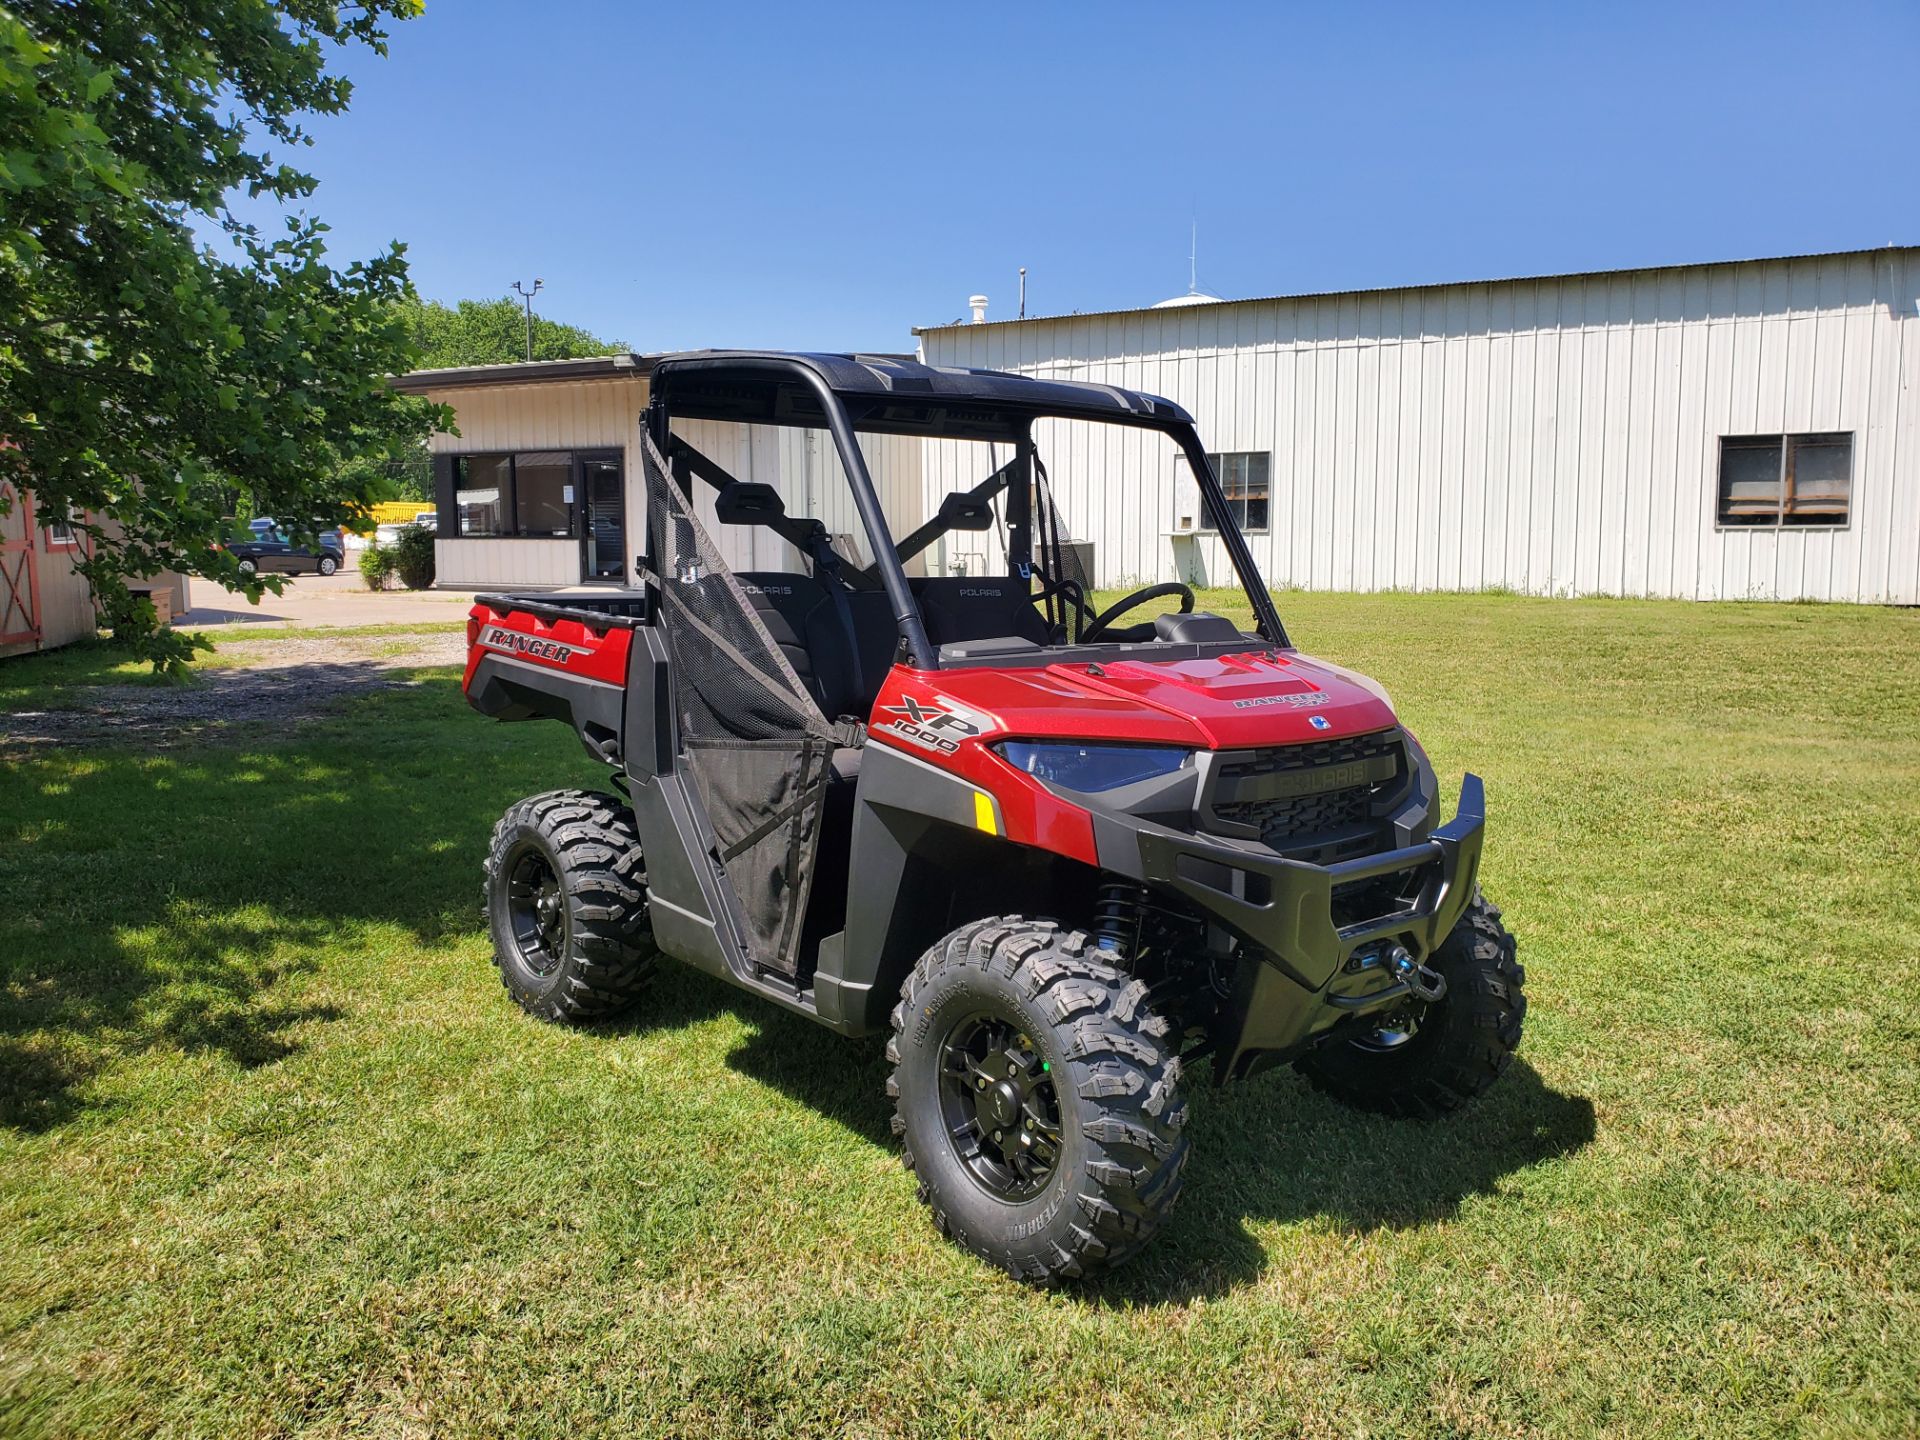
[(1093, 768)]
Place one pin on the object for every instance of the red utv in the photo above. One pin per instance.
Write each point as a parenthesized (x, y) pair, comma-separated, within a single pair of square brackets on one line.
[(885, 763)]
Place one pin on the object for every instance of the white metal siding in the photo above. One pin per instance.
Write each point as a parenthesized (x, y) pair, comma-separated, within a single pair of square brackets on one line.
[(1556, 436)]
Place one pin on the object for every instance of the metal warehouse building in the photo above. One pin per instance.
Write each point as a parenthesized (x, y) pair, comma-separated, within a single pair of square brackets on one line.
[(1729, 431)]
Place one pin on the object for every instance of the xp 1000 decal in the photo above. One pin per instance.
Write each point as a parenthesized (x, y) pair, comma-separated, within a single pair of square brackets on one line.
[(936, 725)]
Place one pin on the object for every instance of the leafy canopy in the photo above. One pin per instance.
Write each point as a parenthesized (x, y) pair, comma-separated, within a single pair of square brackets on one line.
[(147, 376), (494, 332)]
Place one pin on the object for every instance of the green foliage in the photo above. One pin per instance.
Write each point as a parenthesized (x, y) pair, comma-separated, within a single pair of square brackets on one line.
[(376, 566), (152, 382), (133, 625), (494, 332), (413, 557)]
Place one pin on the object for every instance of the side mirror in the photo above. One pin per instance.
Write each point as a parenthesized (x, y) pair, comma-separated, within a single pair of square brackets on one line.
[(960, 511)]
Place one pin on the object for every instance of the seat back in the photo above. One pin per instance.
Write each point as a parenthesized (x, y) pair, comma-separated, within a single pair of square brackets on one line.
[(957, 608), (801, 616)]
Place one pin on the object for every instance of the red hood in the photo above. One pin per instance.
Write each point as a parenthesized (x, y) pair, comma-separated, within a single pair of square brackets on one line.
[(1231, 702)]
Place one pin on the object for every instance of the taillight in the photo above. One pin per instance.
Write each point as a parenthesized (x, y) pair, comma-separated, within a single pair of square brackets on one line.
[(473, 628)]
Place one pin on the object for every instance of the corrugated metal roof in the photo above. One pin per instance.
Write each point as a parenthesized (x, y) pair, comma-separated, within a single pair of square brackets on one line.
[(524, 372), (1429, 285)]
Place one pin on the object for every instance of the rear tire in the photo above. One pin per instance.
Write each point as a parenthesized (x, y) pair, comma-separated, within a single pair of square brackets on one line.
[(1089, 1109), (566, 902), (1463, 1041), (327, 565)]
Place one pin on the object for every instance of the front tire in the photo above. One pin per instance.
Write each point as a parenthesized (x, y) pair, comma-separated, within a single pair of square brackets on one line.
[(1458, 1046), (566, 902), (1037, 1098)]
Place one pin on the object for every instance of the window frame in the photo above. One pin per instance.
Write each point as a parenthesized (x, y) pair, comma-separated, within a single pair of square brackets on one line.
[(508, 505), (570, 490), (1788, 443), (60, 532), (1205, 522)]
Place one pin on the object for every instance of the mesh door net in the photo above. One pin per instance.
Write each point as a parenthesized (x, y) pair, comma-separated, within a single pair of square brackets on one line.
[(757, 745)]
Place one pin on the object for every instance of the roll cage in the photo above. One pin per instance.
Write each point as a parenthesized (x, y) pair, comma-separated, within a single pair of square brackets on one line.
[(848, 395)]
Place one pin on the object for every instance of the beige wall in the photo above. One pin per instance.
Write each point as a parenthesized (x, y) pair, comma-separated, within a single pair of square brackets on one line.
[(605, 415), (562, 415)]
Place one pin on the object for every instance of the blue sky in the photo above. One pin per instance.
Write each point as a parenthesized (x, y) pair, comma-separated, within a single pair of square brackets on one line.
[(826, 176)]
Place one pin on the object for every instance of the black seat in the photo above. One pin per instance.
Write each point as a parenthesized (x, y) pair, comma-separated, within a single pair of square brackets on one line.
[(803, 620), (958, 608)]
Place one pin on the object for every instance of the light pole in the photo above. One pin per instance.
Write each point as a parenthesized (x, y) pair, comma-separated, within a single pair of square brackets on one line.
[(527, 296)]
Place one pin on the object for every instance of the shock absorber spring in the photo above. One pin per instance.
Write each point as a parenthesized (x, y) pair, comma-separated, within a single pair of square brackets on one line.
[(1118, 916)]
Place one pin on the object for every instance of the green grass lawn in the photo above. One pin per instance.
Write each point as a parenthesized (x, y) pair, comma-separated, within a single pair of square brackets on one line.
[(277, 1156)]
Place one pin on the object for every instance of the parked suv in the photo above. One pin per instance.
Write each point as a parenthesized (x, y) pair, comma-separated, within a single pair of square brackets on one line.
[(267, 547)]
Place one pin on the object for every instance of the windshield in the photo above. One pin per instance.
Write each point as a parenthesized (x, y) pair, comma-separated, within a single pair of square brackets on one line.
[(921, 486), (779, 503)]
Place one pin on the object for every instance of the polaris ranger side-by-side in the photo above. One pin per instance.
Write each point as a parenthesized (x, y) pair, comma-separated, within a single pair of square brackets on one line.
[(885, 764)]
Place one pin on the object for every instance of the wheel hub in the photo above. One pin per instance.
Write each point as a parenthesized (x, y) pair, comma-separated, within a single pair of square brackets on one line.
[(1000, 1104), (1002, 1113), (536, 909)]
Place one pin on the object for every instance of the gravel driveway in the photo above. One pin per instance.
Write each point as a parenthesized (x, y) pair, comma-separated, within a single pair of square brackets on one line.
[(261, 682)]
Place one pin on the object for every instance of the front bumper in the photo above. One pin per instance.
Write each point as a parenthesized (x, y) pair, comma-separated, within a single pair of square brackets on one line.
[(1309, 966)]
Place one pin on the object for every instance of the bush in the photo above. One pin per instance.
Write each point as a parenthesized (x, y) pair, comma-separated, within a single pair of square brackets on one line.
[(413, 557), (376, 567)]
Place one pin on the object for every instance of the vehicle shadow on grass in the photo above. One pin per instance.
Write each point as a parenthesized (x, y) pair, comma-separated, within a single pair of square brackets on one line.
[(178, 900), (1272, 1150)]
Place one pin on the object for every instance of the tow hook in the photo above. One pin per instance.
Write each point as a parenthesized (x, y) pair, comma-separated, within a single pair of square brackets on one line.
[(1422, 981)]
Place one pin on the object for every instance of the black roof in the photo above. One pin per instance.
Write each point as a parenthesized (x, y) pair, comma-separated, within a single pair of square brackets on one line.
[(888, 392)]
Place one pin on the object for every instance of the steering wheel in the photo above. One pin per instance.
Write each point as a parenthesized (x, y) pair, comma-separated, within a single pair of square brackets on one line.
[(1104, 620), (1068, 591)]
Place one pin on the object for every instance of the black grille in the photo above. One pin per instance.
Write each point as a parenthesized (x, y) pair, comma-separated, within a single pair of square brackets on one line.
[(1323, 819), (1311, 756)]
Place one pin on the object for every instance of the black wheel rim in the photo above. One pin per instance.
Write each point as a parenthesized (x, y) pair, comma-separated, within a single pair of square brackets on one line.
[(537, 911), (999, 1106), (1394, 1032)]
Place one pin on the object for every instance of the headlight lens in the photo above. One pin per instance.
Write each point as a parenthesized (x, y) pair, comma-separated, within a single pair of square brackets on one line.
[(1093, 768)]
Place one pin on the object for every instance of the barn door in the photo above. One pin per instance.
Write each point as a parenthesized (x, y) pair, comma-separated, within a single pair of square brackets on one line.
[(19, 570)]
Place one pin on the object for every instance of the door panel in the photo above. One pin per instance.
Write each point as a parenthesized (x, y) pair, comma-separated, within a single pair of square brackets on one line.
[(604, 534)]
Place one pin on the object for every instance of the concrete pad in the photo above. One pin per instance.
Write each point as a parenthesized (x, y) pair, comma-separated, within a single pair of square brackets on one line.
[(322, 600)]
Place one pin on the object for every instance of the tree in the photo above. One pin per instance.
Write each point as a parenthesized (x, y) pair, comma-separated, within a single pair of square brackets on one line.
[(494, 332), (147, 375)]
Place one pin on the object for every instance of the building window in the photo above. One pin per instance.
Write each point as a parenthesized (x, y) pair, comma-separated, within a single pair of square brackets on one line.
[(1775, 480), (1244, 476), (543, 493), (536, 495), (483, 485), (60, 532)]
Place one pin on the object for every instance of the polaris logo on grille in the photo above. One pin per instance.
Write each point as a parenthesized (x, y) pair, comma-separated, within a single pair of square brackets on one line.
[(1299, 700), (500, 638)]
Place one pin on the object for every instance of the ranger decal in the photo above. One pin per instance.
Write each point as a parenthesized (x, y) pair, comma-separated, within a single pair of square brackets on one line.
[(1298, 700), (498, 637)]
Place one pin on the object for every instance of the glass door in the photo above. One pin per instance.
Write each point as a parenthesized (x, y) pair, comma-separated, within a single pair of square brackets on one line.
[(604, 533)]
